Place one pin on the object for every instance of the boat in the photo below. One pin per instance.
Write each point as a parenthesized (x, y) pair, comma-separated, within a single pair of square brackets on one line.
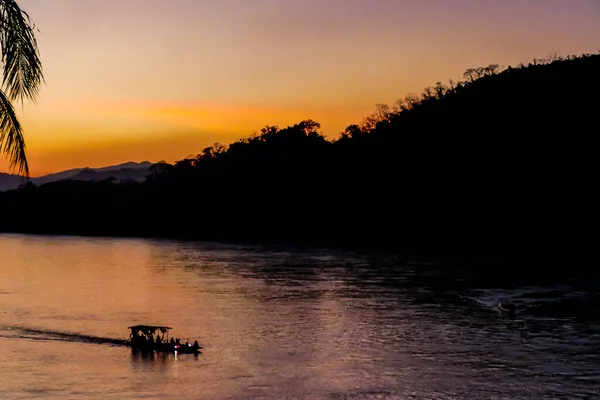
[(506, 307), (151, 338)]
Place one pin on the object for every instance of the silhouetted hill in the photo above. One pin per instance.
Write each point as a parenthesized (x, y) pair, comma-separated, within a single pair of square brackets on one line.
[(500, 163), (136, 174), (129, 170), (126, 166), (10, 181)]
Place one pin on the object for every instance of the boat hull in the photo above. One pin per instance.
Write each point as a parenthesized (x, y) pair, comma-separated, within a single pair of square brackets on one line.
[(163, 347)]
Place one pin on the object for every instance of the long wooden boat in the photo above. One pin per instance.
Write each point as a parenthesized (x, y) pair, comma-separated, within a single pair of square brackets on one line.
[(151, 338)]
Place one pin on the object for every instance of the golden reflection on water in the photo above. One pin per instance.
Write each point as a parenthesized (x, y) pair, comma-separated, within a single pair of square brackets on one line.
[(256, 331), (274, 324), (76, 280)]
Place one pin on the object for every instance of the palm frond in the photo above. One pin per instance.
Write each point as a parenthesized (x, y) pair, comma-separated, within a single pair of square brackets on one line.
[(12, 142), (23, 73)]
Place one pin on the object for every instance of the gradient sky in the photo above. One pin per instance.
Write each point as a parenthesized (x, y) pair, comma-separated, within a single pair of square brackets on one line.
[(133, 80)]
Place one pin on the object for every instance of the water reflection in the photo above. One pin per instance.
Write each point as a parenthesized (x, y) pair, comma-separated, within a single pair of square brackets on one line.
[(280, 322), (141, 360)]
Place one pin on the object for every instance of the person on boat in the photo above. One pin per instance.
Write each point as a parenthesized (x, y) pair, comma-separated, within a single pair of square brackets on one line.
[(172, 341), (137, 337), (196, 345), (187, 343), (158, 341), (177, 342)]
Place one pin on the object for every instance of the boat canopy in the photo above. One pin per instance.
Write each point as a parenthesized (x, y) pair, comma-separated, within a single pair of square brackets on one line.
[(148, 329)]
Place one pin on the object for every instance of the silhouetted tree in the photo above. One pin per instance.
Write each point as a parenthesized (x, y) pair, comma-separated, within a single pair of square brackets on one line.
[(488, 164), (22, 76)]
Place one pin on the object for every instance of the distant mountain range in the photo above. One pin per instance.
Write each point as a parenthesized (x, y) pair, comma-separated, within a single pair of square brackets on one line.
[(128, 170)]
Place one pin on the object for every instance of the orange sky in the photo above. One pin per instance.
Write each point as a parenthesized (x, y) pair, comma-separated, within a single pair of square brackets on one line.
[(133, 80)]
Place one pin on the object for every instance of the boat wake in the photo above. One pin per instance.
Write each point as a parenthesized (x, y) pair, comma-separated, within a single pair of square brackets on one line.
[(19, 332)]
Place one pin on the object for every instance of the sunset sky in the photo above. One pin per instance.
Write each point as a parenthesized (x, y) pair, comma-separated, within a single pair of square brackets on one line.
[(133, 80)]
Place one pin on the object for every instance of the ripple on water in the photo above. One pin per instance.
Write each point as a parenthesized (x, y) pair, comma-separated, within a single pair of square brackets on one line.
[(283, 323)]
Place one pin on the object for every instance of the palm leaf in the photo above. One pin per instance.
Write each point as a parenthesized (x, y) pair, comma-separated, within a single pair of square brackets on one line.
[(23, 72), (12, 142), (22, 78)]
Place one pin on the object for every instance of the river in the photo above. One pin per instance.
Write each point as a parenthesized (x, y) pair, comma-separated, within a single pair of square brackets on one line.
[(278, 322)]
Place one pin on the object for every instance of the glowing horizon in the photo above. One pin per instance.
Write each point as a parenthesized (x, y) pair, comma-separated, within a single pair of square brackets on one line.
[(119, 89)]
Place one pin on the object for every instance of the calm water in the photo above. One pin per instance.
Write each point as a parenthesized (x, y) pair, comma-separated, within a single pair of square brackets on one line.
[(282, 323)]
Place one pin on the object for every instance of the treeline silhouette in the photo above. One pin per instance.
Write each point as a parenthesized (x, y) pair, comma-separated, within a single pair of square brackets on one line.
[(497, 163)]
